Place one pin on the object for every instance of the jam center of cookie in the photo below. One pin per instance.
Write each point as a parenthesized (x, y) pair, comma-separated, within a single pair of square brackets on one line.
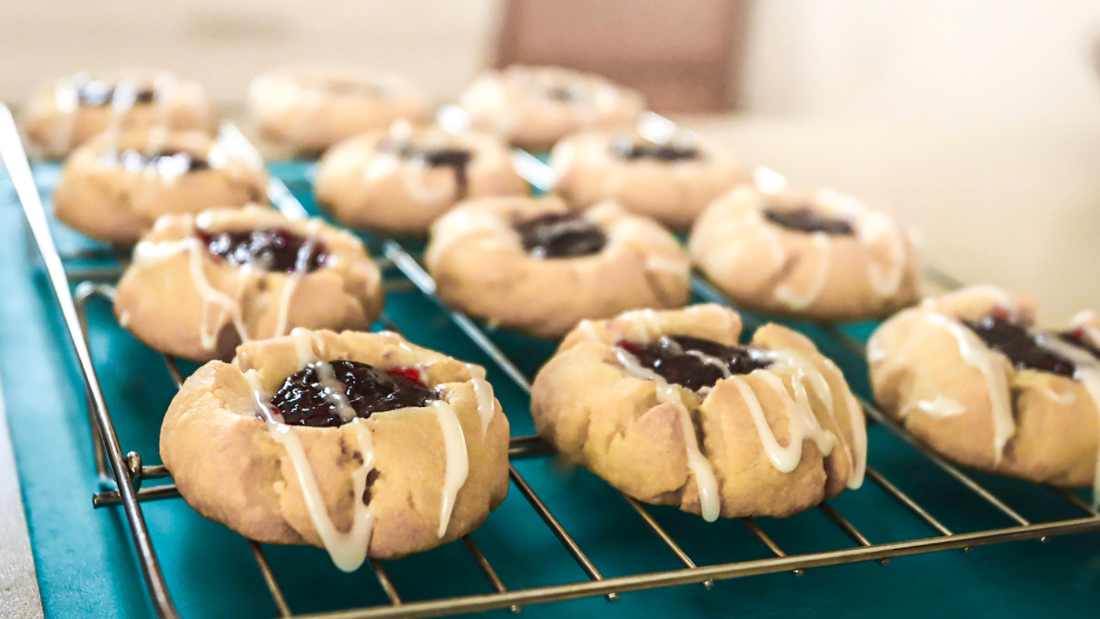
[(167, 162), (314, 396), (561, 93), (96, 93), (693, 362), (276, 249), (807, 219), (560, 235), (458, 159), (632, 150), (1077, 338), (1024, 348)]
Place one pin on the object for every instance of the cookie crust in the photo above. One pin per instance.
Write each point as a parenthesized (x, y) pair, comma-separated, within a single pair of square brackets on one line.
[(102, 197), (588, 171), (480, 266), (969, 402), (766, 267), (235, 469), (640, 437), (367, 185), (182, 301), (515, 104), (56, 121), (307, 109)]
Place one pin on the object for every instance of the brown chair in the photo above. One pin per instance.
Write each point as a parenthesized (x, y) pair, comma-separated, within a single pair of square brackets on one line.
[(682, 54)]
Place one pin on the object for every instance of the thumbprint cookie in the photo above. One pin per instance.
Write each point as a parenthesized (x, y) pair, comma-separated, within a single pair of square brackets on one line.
[(114, 187), (971, 375), (401, 179), (533, 107), (537, 266), (307, 109), (358, 443), (670, 179), (819, 255), (668, 408), (199, 285), (71, 111)]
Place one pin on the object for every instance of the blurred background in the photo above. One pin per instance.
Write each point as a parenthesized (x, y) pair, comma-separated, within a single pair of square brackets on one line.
[(977, 121)]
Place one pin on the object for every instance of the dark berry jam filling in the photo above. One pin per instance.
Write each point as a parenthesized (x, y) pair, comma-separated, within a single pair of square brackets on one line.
[(458, 159), (276, 249), (1022, 347), (560, 235), (633, 150), (1077, 338), (304, 400), (96, 93), (168, 162), (807, 219), (561, 93), (694, 362)]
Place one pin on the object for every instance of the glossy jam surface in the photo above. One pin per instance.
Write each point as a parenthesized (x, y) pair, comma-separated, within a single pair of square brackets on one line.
[(275, 249), (1077, 338), (561, 235), (633, 150), (693, 362), (304, 401), (1022, 347), (168, 162), (808, 220), (458, 159), (96, 93)]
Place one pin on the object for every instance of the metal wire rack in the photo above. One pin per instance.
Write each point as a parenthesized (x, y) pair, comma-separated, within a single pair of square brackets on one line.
[(126, 472)]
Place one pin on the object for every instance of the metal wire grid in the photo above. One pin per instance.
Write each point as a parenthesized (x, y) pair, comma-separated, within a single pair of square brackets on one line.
[(128, 472)]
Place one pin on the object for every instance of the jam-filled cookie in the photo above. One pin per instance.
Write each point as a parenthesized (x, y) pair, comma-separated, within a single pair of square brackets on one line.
[(535, 265), (359, 443), (970, 374), (200, 285), (114, 187), (308, 109), (402, 179), (671, 410), (71, 111), (670, 180), (819, 255), (533, 107)]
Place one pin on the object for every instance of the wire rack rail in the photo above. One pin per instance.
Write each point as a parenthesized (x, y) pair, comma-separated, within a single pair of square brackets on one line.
[(124, 472)]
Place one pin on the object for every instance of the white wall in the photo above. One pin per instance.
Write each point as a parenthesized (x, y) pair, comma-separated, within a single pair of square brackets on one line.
[(967, 60), (981, 60)]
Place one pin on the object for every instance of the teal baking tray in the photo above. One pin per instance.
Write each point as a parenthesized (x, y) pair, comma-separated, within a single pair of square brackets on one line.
[(868, 553)]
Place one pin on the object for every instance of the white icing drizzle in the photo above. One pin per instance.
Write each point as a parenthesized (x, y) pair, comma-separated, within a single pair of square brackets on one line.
[(801, 423), (709, 505), (486, 403), (797, 301), (1088, 373), (458, 463), (676, 267), (859, 438), (312, 230), (977, 355), (334, 390), (303, 346), (147, 250), (347, 549), (284, 302), (700, 467), (940, 407)]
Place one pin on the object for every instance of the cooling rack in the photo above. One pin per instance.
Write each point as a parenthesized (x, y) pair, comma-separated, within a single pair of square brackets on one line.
[(127, 482)]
